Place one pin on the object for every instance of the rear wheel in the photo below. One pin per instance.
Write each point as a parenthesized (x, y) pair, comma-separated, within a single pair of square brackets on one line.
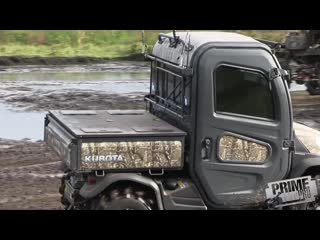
[(128, 198)]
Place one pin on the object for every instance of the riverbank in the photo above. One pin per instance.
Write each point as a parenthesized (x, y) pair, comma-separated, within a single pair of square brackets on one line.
[(61, 47), (20, 60)]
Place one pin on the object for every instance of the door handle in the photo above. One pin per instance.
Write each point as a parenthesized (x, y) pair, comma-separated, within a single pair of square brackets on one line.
[(206, 148)]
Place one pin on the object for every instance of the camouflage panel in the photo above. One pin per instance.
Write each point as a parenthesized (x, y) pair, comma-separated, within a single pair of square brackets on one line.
[(236, 149), (131, 155)]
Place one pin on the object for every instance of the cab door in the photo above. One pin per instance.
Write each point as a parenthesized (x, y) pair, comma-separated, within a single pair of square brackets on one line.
[(243, 121)]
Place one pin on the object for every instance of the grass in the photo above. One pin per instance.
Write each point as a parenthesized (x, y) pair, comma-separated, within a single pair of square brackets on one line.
[(91, 43)]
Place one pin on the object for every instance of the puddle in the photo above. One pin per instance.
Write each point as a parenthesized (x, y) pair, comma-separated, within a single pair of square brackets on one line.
[(28, 92), (20, 125)]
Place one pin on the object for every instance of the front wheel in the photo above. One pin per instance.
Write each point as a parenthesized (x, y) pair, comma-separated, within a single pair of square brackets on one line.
[(313, 87), (308, 206)]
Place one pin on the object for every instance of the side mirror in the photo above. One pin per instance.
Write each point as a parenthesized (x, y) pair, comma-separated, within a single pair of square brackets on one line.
[(278, 72), (287, 76)]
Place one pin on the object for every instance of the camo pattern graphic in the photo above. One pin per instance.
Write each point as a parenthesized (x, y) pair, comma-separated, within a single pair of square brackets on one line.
[(131, 155), (236, 149)]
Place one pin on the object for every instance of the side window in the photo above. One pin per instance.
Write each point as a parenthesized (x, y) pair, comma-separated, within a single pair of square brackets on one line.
[(244, 92)]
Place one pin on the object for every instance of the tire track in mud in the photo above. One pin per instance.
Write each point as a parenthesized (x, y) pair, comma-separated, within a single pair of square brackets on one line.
[(31, 197), (49, 170), (33, 181)]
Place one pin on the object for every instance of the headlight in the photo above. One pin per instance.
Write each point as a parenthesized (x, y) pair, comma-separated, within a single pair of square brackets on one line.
[(309, 137)]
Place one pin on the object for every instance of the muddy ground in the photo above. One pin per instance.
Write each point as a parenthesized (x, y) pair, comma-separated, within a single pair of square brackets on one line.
[(29, 175), (29, 171)]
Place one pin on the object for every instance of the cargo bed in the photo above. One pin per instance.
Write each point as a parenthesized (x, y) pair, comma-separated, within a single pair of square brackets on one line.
[(114, 140)]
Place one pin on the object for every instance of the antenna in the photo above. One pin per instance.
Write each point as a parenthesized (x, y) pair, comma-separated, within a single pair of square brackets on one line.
[(188, 51), (183, 49)]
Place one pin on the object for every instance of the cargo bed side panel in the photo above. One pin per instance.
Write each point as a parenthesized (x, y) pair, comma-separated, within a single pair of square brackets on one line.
[(61, 142)]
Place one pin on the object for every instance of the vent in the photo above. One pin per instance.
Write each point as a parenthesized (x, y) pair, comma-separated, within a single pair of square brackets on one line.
[(101, 130), (78, 112), (152, 129), (126, 112)]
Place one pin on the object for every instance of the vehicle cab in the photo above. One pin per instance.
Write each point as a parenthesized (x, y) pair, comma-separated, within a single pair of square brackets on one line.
[(228, 93)]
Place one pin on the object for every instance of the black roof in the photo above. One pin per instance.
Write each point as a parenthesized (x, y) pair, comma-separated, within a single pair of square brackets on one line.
[(198, 39)]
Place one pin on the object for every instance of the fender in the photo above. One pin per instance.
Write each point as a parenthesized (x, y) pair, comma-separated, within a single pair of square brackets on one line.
[(90, 191), (303, 165)]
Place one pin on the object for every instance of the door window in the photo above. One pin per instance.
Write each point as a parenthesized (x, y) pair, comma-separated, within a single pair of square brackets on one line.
[(242, 91)]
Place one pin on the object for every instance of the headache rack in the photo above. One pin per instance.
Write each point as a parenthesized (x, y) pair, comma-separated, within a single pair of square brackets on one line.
[(170, 88)]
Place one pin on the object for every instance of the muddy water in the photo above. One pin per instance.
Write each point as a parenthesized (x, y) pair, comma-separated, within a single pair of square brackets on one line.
[(19, 125), (28, 92)]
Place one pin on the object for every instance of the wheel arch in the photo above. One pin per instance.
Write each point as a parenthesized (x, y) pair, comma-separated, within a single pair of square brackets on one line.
[(90, 191), (306, 167)]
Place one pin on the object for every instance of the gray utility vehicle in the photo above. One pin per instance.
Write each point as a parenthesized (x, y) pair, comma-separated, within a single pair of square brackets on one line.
[(217, 129)]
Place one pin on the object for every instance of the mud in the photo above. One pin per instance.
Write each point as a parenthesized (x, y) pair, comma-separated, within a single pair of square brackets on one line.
[(28, 180), (29, 170), (81, 100), (29, 175)]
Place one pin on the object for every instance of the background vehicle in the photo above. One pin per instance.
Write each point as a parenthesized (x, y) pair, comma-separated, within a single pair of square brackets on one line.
[(217, 129), (300, 53)]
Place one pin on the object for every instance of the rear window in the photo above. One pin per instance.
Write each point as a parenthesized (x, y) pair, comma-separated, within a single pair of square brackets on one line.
[(244, 92)]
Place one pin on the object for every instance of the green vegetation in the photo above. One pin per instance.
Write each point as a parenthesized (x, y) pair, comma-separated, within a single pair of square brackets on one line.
[(89, 43)]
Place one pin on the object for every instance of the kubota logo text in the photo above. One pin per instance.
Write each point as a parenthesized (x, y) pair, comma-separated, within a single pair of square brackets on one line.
[(103, 158)]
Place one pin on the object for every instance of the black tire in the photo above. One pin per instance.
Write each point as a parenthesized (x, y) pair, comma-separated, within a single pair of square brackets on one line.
[(306, 206), (124, 204), (303, 206), (313, 87), (124, 199), (300, 82)]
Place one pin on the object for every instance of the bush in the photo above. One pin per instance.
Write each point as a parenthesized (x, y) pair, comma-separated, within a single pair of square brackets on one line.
[(99, 43)]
